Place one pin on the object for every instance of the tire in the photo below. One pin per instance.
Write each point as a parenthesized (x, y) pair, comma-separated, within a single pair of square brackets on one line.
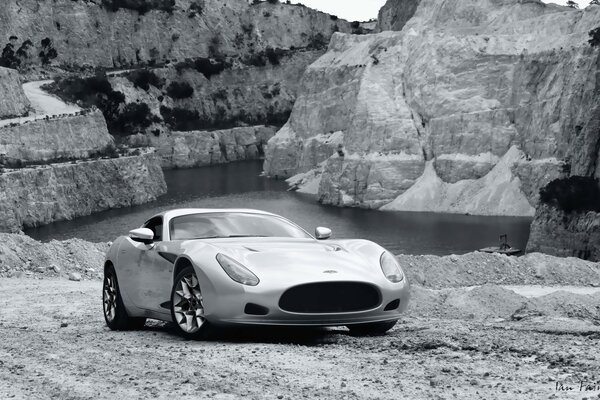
[(187, 306), (371, 329), (114, 311)]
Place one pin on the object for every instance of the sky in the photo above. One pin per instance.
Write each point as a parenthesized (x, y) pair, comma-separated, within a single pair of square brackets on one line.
[(364, 10)]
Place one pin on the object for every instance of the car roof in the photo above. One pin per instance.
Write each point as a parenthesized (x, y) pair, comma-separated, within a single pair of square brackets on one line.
[(187, 211)]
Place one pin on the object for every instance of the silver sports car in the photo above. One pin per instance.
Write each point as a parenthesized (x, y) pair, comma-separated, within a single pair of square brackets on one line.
[(204, 267)]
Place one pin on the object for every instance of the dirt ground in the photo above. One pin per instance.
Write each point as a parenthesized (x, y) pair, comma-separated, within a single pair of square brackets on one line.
[(478, 339)]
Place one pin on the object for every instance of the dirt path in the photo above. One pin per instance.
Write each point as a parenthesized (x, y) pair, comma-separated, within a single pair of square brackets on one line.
[(43, 103), (421, 358)]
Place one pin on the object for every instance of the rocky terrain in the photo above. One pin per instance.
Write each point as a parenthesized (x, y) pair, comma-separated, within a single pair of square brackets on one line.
[(470, 107), (477, 325), (13, 102), (59, 162), (94, 33)]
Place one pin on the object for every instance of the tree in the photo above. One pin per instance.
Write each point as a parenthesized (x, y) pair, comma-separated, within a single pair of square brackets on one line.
[(594, 37), (572, 4), (48, 52)]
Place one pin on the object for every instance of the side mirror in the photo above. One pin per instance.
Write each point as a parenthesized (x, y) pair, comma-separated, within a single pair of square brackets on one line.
[(142, 235), (322, 233)]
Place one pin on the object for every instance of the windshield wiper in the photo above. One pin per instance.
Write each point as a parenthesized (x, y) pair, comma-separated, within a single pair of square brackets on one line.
[(228, 236), (242, 236)]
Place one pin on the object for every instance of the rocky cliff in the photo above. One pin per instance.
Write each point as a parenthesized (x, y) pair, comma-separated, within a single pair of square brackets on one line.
[(565, 234), (423, 117), (202, 148), (242, 94), (13, 102), (72, 136), (36, 196), (91, 32)]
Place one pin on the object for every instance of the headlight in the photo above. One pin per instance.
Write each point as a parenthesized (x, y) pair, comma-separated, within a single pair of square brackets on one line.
[(390, 268), (237, 271)]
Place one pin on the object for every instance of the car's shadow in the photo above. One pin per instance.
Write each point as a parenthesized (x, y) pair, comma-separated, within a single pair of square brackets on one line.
[(306, 336)]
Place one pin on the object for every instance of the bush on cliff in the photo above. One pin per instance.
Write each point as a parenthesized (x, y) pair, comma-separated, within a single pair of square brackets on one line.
[(121, 119), (143, 78), (576, 193), (180, 119), (133, 118), (180, 90), (141, 6), (205, 66), (594, 37), (48, 51)]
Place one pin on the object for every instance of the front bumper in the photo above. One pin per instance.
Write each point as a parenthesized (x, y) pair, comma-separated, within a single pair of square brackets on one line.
[(227, 306)]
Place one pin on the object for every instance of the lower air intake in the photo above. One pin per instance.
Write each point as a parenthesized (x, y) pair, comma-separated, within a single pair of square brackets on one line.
[(330, 297)]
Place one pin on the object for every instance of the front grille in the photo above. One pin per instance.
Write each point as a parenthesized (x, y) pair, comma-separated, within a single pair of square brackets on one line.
[(330, 297)]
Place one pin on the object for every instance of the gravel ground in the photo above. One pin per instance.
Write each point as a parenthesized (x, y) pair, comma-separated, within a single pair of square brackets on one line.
[(454, 341)]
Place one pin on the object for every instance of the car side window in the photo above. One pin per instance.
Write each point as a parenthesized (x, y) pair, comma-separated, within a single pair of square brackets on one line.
[(156, 226)]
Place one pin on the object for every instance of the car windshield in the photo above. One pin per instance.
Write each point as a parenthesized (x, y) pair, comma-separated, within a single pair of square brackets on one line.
[(230, 225)]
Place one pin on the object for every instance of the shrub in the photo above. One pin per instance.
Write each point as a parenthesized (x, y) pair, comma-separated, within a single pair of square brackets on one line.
[(180, 119), (48, 52), (333, 17), (143, 78), (594, 37), (197, 7), (576, 193), (121, 118), (572, 4), (134, 118), (205, 66), (273, 1), (273, 55), (317, 41), (214, 47), (141, 6), (180, 90), (355, 25), (255, 59), (8, 58)]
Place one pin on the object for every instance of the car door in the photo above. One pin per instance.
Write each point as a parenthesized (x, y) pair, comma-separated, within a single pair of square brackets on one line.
[(156, 272)]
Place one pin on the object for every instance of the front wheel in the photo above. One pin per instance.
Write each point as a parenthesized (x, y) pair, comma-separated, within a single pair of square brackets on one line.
[(187, 306), (115, 314), (371, 329)]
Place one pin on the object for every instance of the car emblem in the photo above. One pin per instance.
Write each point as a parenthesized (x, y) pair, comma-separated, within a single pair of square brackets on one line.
[(330, 271)]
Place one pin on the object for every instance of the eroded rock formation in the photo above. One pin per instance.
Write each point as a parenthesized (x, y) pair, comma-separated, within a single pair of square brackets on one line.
[(35, 196), (77, 136), (443, 101), (201, 148), (13, 102), (575, 234), (86, 32)]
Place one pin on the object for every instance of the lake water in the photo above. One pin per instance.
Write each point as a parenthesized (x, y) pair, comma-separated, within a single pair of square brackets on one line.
[(240, 185)]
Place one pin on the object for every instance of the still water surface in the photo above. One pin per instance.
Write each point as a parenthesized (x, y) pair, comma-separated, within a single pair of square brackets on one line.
[(239, 185)]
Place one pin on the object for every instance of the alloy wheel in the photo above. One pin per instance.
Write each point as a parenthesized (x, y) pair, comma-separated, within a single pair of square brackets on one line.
[(110, 294), (187, 304)]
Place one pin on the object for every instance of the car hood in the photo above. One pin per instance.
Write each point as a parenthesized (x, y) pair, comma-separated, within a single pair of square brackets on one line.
[(306, 259)]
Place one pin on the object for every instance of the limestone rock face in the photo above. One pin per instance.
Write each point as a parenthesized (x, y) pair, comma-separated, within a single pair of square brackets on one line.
[(13, 102), (75, 136), (201, 148), (565, 235), (35, 196), (83, 32), (459, 86), (395, 14)]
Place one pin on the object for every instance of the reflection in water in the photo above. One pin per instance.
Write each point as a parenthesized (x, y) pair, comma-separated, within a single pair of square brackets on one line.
[(239, 185)]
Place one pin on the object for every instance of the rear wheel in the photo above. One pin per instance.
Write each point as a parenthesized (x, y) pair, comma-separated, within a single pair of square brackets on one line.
[(187, 306), (115, 314), (373, 328)]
